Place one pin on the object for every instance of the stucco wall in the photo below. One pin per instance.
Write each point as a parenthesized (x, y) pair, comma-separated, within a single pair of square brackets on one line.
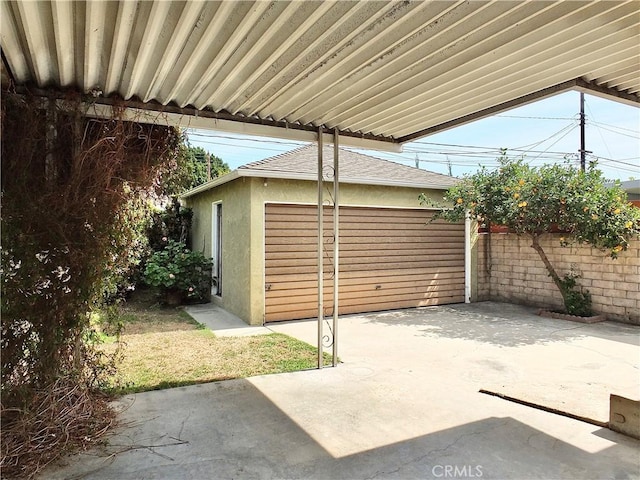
[(243, 228), (518, 275), (236, 240)]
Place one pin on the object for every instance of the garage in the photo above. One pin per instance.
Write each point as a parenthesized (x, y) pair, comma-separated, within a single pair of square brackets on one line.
[(267, 240), (389, 258)]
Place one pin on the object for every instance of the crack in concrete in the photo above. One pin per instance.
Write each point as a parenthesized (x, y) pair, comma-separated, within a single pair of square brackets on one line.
[(438, 450), (610, 357)]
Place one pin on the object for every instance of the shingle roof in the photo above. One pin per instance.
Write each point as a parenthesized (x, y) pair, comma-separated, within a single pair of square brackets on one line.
[(354, 168), (302, 164)]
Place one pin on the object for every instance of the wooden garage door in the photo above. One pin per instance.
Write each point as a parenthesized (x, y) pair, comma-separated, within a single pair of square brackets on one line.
[(389, 258)]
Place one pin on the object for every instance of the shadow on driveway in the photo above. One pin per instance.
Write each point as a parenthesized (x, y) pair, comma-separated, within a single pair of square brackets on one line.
[(238, 429)]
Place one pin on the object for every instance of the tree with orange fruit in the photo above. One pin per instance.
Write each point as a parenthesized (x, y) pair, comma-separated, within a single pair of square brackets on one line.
[(533, 201)]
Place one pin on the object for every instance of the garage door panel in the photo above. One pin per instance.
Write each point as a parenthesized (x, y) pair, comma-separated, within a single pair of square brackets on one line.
[(387, 241), (356, 294), (373, 255), (365, 284), (361, 264), (362, 298), (361, 284), (364, 274), (361, 249), (411, 303), (366, 260), (364, 224), (389, 258), (358, 231), (312, 312), (401, 239), (345, 267), (292, 280)]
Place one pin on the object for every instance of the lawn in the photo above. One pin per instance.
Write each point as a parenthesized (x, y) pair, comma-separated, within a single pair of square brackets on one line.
[(165, 347)]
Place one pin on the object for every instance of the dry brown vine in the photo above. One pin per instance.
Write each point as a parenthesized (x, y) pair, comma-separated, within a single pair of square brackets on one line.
[(68, 183)]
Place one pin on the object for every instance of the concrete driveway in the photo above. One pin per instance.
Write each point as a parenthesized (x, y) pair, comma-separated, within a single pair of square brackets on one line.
[(404, 404)]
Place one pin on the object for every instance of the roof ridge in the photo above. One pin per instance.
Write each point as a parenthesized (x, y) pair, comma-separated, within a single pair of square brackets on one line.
[(274, 157), (266, 161), (401, 164)]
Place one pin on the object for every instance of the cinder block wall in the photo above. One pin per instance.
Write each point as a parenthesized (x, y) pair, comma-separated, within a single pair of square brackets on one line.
[(510, 270)]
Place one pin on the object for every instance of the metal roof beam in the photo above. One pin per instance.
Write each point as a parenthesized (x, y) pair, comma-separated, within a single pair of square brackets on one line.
[(578, 84), (609, 93), (222, 121), (188, 117)]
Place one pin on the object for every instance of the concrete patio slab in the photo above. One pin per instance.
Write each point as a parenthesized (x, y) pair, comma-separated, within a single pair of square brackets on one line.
[(404, 404), (504, 348)]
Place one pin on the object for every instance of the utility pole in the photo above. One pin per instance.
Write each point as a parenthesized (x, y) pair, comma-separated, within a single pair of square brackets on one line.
[(417, 161), (583, 150), (449, 165), (208, 157)]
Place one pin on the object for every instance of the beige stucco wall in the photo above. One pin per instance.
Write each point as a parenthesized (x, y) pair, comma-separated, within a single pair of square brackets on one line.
[(243, 202), (236, 240)]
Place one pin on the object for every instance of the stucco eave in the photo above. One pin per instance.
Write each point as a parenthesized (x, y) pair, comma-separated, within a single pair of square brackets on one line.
[(212, 184), (304, 176)]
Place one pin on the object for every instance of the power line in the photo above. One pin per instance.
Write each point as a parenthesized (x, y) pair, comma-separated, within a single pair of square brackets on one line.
[(567, 133), (472, 156), (636, 131), (563, 131), (248, 147), (280, 142), (534, 118), (460, 155), (637, 165), (617, 133)]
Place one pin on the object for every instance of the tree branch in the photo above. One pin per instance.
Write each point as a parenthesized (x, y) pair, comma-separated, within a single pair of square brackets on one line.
[(552, 271)]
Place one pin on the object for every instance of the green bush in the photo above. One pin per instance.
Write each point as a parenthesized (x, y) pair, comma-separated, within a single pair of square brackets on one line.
[(175, 268), (172, 223), (577, 299)]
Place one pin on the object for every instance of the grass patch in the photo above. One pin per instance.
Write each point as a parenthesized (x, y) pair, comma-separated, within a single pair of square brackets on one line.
[(166, 348)]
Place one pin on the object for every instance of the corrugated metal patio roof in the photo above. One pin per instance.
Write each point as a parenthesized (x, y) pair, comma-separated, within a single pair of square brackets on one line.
[(385, 70)]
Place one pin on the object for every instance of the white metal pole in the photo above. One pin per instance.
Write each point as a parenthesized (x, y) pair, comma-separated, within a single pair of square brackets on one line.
[(320, 250), (467, 258), (336, 242)]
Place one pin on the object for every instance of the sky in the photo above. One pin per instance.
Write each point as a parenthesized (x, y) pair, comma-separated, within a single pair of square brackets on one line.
[(546, 131)]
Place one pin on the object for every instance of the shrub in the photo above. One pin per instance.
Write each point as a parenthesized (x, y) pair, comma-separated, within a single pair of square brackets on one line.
[(173, 223), (577, 299), (175, 268)]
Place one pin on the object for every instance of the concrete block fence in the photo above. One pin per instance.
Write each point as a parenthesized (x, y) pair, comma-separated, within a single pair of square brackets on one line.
[(510, 270)]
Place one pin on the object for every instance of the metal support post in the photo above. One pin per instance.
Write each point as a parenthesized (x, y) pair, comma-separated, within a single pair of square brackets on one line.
[(336, 241), (467, 258), (320, 250), (583, 147)]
